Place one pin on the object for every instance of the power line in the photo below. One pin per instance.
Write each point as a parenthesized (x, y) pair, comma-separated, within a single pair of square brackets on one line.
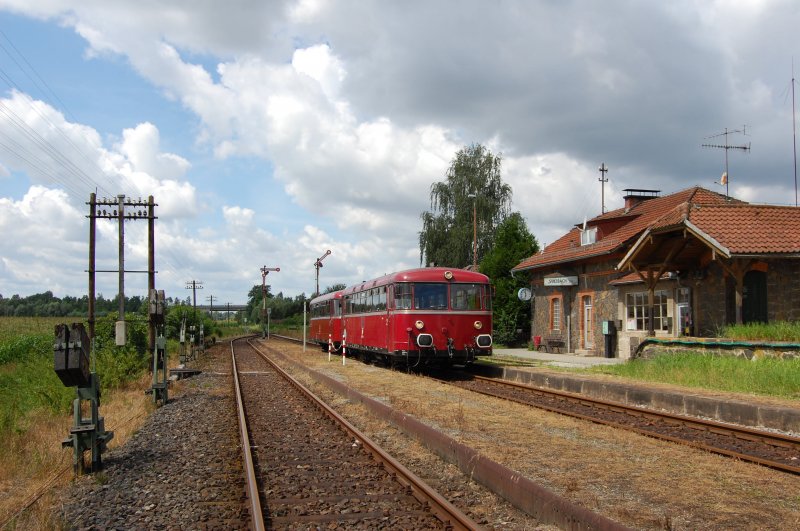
[(53, 165)]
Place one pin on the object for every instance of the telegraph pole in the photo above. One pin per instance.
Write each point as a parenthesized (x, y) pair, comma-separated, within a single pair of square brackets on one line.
[(121, 211), (194, 285), (116, 210), (603, 180), (474, 198), (210, 299)]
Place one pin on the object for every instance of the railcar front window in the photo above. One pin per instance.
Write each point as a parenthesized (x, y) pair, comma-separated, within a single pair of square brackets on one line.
[(466, 296), (430, 296), (402, 297)]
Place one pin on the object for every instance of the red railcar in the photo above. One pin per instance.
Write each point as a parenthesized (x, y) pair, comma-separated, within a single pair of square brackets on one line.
[(325, 322), (422, 316)]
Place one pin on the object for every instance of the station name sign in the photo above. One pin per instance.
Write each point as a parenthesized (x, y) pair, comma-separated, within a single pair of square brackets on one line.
[(561, 281)]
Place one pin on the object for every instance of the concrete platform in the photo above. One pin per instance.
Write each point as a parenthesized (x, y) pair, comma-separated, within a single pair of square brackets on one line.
[(557, 359), (734, 409)]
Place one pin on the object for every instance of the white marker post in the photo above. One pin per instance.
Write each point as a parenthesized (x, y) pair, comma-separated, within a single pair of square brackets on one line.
[(344, 347)]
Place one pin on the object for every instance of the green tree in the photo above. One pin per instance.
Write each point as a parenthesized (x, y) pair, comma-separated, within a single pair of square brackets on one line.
[(335, 287), (512, 244), (473, 182)]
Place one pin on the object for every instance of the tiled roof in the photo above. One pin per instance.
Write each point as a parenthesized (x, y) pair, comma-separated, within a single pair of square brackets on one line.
[(568, 248), (750, 229)]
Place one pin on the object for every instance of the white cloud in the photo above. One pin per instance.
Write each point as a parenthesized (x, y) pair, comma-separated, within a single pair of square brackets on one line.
[(357, 108), (57, 152), (320, 64), (141, 146), (238, 217), (44, 242)]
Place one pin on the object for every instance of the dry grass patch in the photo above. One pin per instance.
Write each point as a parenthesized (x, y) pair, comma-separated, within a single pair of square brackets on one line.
[(37, 460), (636, 480)]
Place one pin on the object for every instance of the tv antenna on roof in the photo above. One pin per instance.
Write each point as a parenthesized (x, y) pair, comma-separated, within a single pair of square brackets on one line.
[(725, 176)]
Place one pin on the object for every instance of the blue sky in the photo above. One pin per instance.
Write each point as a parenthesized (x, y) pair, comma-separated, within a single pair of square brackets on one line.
[(270, 131)]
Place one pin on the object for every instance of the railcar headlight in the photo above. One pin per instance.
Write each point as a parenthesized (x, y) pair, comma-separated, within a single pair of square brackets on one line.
[(478, 325), (420, 325), (448, 275)]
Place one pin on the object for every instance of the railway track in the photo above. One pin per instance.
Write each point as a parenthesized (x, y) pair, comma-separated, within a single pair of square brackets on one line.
[(773, 450), (311, 468)]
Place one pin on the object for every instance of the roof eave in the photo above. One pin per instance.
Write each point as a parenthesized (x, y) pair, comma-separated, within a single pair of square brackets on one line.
[(696, 231), (564, 261), (707, 239)]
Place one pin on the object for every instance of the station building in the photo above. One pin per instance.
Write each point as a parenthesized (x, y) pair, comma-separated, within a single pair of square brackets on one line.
[(687, 263)]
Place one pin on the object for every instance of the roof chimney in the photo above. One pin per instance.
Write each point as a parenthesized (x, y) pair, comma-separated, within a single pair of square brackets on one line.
[(634, 196)]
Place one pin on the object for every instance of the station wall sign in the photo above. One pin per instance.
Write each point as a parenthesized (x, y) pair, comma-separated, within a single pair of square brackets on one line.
[(561, 281)]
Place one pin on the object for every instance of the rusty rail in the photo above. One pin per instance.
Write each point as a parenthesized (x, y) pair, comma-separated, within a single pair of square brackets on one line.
[(743, 433), (520, 491), (256, 515)]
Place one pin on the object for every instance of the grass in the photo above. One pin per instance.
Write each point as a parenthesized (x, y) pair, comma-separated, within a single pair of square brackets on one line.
[(767, 376), (783, 331), (35, 410), (12, 327), (35, 456)]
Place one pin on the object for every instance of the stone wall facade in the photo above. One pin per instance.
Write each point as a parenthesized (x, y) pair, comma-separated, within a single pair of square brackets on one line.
[(711, 301)]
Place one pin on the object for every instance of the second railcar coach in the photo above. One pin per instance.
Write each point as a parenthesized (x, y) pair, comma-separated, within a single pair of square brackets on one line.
[(325, 323), (426, 316)]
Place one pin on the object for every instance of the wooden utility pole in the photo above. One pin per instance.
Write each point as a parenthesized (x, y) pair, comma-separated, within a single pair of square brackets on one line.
[(136, 209), (194, 285), (603, 180)]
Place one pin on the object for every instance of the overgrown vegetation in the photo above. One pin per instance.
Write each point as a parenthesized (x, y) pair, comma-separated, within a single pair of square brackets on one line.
[(779, 331), (28, 382), (766, 376)]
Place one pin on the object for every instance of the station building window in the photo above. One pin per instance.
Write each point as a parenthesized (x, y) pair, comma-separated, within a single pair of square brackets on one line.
[(637, 309), (555, 312)]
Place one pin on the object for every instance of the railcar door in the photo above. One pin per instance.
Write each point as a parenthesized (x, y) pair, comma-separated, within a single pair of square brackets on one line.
[(389, 312)]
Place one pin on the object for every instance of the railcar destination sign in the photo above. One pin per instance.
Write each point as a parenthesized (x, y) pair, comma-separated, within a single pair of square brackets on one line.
[(561, 281)]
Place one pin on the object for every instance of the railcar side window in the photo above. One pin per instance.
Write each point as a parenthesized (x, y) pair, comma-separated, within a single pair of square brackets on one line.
[(337, 308), (373, 299), (430, 296), (380, 304), (466, 296), (402, 297)]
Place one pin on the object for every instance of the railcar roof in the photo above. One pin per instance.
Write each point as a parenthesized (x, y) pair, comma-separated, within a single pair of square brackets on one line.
[(327, 296), (422, 274)]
